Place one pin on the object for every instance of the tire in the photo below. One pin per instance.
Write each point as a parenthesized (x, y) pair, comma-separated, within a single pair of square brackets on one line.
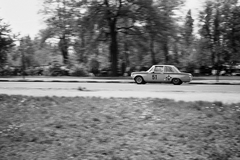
[(176, 81), (139, 80)]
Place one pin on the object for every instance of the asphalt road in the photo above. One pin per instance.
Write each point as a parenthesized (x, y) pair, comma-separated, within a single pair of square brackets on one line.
[(185, 92)]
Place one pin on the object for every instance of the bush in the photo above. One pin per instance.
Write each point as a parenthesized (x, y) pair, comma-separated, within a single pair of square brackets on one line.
[(6, 71), (52, 70), (94, 66), (46, 71), (31, 71), (78, 70), (105, 72)]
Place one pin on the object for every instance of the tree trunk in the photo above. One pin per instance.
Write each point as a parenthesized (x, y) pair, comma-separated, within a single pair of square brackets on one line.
[(216, 39), (213, 57), (65, 55), (176, 57), (113, 47), (64, 49), (83, 45), (165, 51), (152, 50), (126, 54)]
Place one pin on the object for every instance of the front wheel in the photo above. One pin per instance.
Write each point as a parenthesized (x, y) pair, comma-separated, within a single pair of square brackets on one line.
[(139, 80), (176, 81)]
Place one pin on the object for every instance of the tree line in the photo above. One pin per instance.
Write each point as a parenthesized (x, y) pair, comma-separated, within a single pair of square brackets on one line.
[(120, 34)]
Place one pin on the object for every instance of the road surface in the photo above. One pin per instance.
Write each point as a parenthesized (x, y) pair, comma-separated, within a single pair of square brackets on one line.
[(185, 92)]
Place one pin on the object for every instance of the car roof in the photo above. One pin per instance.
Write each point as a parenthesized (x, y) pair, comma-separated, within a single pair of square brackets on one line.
[(164, 65)]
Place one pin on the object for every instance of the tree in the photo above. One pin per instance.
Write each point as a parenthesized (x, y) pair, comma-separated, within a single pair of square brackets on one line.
[(187, 43), (219, 32), (113, 18), (206, 35), (231, 36), (106, 18), (6, 41), (151, 19), (188, 29), (142, 30), (167, 26), (211, 29), (27, 50), (58, 19)]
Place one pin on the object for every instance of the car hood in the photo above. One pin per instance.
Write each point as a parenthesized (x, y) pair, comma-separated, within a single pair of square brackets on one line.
[(142, 72)]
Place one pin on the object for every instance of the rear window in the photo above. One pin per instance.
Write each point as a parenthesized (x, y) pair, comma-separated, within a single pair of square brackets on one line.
[(170, 69)]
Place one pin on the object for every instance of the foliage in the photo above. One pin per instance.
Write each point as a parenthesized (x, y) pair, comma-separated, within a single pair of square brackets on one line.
[(116, 35), (94, 66), (89, 26), (188, 29), (78, 70), (27, 51), (57, 70), (29, 54), (46, 54), (220, 31), (188, 45), (59, 20), (6, 42), (122, 34)]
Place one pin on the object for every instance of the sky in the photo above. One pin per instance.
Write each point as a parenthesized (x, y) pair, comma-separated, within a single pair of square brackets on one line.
[(23, 17)]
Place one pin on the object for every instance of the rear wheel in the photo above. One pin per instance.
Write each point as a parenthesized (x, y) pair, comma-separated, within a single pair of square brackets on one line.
[(176, 81), (139, 80)]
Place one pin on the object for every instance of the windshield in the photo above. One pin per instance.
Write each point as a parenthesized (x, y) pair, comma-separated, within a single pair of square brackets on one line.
[(151, 69)]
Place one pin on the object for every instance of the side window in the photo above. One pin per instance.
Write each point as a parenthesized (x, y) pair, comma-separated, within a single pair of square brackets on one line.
[(168, 69), (158, 69)]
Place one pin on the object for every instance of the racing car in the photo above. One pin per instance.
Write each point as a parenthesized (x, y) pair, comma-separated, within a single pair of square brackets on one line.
[(162, 74)]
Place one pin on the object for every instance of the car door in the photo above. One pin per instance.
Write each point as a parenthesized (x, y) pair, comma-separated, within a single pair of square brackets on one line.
[(169, 73), (157, 75)]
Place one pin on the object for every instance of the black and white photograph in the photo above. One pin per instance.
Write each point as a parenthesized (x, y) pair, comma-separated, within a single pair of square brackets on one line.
[(119, 79)]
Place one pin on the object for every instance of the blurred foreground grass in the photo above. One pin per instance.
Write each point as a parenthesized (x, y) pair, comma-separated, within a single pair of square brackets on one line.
[(59, 128)]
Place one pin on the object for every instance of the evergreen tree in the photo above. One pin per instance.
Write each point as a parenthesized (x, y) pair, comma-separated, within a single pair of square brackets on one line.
[(188, 29), (6, 41), (58, 19), (220, 31)]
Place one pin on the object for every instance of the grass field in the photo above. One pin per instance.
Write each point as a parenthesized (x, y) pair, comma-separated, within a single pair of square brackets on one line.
[(59, 128)]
